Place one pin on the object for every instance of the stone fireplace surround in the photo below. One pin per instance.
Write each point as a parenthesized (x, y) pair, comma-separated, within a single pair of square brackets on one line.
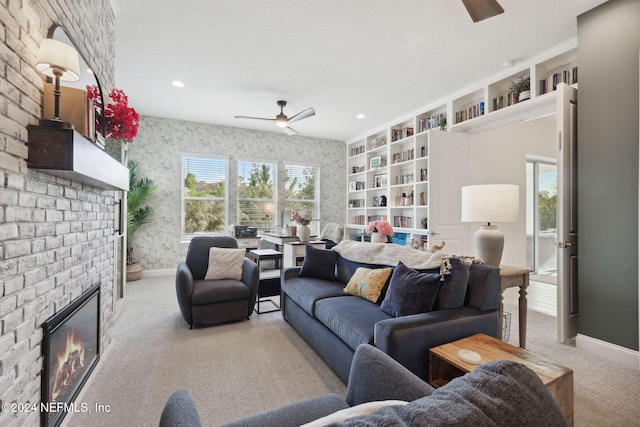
[(56, 236)]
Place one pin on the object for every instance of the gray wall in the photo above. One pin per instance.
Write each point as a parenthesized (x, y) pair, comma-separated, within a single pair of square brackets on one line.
[(608, 45)]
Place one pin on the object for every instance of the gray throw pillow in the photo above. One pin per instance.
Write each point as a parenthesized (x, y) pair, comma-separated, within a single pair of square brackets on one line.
[(410, 292), (319, 264)]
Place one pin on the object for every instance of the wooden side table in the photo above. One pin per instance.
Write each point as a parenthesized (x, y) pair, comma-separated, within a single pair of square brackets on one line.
[(510, 277), (269, 284), (444, 365)]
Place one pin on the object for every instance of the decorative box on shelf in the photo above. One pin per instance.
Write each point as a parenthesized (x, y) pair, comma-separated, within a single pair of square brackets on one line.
[(67, 154)]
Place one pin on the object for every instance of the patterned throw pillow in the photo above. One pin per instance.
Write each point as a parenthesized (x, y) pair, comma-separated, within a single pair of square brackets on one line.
[(225, 263), (368, 283), (410, 292)]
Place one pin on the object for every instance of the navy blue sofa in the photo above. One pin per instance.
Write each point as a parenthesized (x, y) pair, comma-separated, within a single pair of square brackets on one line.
[(334, 323)]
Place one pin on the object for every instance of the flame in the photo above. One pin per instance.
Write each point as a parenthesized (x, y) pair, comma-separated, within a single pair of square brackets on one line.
[(70, 360)]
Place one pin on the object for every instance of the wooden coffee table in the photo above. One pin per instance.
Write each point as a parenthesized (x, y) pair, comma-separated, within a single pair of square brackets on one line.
[(444, 365)]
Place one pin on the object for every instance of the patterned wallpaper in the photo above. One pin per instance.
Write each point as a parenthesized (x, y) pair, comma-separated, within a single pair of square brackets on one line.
[(159, 147)]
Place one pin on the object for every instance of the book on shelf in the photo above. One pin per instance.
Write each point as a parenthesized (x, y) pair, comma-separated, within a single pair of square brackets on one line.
[(424, 175), (471, 112), (371, 218), (423, 198), (403, 221), (431, 122), (357, 150), (358, 220), (568, 76)]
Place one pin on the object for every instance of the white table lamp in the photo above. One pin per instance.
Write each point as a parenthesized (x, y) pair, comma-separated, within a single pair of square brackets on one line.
[(59, 61), (487, 204)]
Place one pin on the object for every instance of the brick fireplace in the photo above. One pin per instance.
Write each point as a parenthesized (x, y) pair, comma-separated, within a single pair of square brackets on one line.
[(71, 349), (56, 235)]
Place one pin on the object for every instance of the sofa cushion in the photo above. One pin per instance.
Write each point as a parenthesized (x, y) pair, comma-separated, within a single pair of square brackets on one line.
[(351, 318), (319, 263), (410, 292), (213, 291), (225, 263), (368, 282), (353, 411), (180, 411), (305, 291), (453, 289), (345, 268), (497, 393)]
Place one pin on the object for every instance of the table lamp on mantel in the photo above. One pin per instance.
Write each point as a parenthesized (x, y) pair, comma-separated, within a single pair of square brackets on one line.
[(490, 203), (59, 61)]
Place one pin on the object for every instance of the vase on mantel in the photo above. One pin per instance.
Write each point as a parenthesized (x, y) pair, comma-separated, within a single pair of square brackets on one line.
[(378, 237), (304, 233)]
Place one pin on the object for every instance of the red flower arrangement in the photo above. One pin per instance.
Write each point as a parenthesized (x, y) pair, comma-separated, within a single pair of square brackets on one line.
[(382, 227), (120, 120)]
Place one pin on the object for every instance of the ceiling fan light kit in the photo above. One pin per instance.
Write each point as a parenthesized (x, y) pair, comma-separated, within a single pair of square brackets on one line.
[(480, 10), (282, 120)]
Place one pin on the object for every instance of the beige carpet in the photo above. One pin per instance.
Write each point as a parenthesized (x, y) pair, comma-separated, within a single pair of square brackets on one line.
[(231, 371), (244, 368)]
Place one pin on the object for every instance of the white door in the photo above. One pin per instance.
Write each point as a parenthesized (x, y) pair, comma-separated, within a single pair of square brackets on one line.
[(448, 173), (567, 288)]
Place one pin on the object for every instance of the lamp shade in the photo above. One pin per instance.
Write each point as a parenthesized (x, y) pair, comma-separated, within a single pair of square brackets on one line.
[(268, 208), (55, 56), (490, 203)]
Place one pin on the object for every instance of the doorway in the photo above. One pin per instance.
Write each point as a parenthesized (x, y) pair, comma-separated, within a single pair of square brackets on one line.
[(541, 210)]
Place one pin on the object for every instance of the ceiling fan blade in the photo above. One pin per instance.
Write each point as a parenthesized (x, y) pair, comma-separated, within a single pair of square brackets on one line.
[(302, 115), (482, 9), (290, 131), (253, 118)]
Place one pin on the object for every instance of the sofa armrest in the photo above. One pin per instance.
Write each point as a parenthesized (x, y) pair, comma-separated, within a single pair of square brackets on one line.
[(290, 272), (408, 338), (376, 376), (251, 278), (184, 289)]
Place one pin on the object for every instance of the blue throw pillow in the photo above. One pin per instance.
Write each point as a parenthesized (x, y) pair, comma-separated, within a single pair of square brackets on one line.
[(319, 264), (410, 292), (454, 288)]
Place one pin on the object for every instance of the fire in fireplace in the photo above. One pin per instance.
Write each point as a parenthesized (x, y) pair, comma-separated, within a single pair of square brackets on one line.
[(71, 349)]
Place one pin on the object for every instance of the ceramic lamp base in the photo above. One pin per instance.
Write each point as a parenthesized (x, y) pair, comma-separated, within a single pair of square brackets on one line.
[(489, 242)]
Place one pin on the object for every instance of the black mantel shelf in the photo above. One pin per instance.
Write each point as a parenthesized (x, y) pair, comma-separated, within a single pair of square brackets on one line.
[(67, 154)]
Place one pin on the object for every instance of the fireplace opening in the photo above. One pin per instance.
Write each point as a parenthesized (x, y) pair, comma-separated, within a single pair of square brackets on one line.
[(71, 349)]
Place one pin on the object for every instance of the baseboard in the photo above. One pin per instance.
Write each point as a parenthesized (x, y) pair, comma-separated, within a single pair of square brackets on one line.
[(609, 351), (159, 272)]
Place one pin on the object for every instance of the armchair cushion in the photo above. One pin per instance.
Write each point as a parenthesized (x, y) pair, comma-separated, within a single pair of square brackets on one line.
[(225, 263)]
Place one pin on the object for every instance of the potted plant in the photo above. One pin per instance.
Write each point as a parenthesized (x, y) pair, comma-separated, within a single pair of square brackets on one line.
[(379, 230), (521, 88), (140, 188)]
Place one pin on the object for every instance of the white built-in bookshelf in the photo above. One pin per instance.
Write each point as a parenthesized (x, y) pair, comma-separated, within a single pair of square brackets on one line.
[(396, 162)]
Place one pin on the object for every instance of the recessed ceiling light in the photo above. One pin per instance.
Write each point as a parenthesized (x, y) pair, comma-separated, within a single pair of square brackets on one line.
[(177, 83), (360, 116)]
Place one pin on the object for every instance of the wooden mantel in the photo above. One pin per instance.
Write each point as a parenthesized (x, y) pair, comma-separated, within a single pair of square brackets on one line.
[(66, 153)]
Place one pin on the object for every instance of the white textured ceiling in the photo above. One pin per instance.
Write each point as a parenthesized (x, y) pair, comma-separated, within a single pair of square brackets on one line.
[(380, 58)]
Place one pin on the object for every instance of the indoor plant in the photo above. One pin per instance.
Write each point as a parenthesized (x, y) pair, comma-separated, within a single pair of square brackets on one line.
[(140, 188), (521, 88), (379, 231)]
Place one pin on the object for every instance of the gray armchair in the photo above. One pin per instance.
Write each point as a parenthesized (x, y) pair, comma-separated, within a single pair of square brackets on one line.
[(210, 302)]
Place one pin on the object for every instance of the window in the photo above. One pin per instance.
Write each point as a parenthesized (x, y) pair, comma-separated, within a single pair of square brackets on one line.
[(204, 201), (256, 195), (301, 190)]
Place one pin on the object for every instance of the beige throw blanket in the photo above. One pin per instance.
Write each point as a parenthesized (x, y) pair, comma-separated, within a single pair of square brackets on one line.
[(389, 254)]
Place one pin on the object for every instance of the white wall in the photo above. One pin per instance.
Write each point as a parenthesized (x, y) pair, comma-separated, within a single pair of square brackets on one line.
[(499, 157)]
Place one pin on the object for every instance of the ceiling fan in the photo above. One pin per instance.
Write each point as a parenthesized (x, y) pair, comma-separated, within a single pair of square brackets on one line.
[(482, 9), (282, 120)]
